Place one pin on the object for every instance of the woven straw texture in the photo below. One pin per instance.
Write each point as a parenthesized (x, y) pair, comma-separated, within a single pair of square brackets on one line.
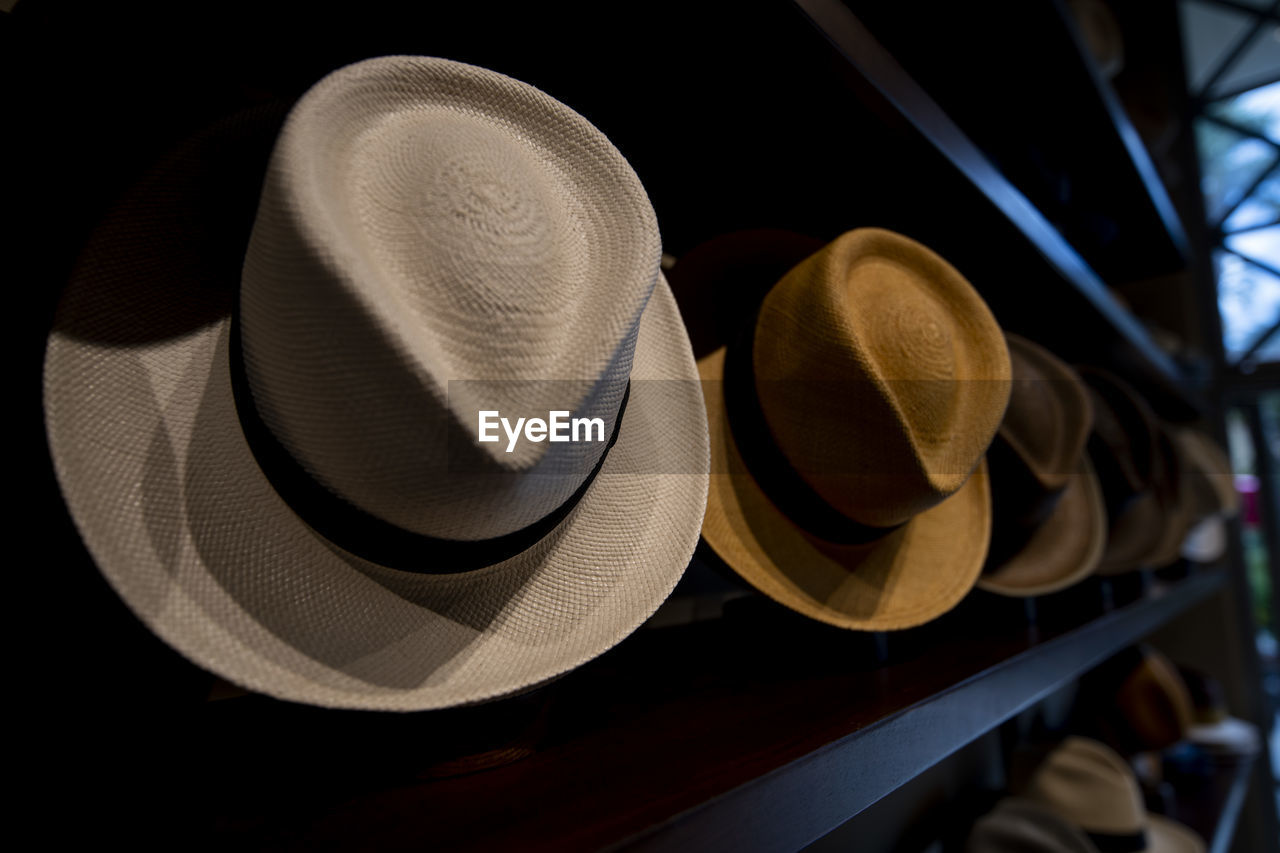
[(927, 378), (445, 223), (176, 512), (922, 375)]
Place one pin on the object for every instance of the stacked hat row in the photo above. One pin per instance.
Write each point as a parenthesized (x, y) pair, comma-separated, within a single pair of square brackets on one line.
[(1083, 477), (1086, 796), (281, 471)]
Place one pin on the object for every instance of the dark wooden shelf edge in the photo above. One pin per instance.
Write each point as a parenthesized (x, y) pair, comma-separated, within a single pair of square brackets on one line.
[(802, 801), (902, 94), (1137, 150)]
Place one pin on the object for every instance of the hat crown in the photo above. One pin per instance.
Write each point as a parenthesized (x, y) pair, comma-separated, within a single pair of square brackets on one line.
[(881, 373), (1049, 416), (1090, 785), (1153, 703), (1124, 428), (433, 240), (1209, 471)]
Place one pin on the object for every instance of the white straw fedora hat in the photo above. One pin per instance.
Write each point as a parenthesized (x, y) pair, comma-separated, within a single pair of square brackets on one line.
[(1016, 825), (291, 490), (1088, 784), (848, 431)]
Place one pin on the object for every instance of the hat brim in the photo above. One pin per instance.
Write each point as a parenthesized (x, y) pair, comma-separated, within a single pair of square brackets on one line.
[(1135, 537), (906, 578), (1166, 836), (1206, 542), (1064, 550), (179, 518)]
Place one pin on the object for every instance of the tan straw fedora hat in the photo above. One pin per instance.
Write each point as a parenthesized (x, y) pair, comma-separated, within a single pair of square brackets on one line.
[(1153, 705), (1125, 450), (1088, 784), (1176, 491), (1142, 702), (1050, 521), (292, 491), (1220, 736), (848, 427)]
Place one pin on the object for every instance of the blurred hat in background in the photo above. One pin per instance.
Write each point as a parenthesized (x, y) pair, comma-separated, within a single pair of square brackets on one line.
[(1050, 521), (1087, 784), (1125, 451)]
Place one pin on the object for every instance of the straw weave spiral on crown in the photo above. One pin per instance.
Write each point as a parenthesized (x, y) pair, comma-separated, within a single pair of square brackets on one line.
[(422, 251)]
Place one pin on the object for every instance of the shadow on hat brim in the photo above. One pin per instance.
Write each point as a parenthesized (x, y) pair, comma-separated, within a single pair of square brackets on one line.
[(172, 505), (1017, 825), (1135, 536), (904, 579), (1062, 551)]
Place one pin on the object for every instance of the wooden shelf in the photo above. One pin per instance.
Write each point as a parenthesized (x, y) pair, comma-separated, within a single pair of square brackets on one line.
[(1132, 161), (788, 114), (899, 93), (755, 732), (1036, 105)]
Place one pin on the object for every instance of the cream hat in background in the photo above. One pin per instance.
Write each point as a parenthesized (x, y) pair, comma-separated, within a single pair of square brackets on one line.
[(1050, 518), (422, 222), (1089, 785), (848, 428), (1017, 825), (1220, 736), (1214, 495)]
